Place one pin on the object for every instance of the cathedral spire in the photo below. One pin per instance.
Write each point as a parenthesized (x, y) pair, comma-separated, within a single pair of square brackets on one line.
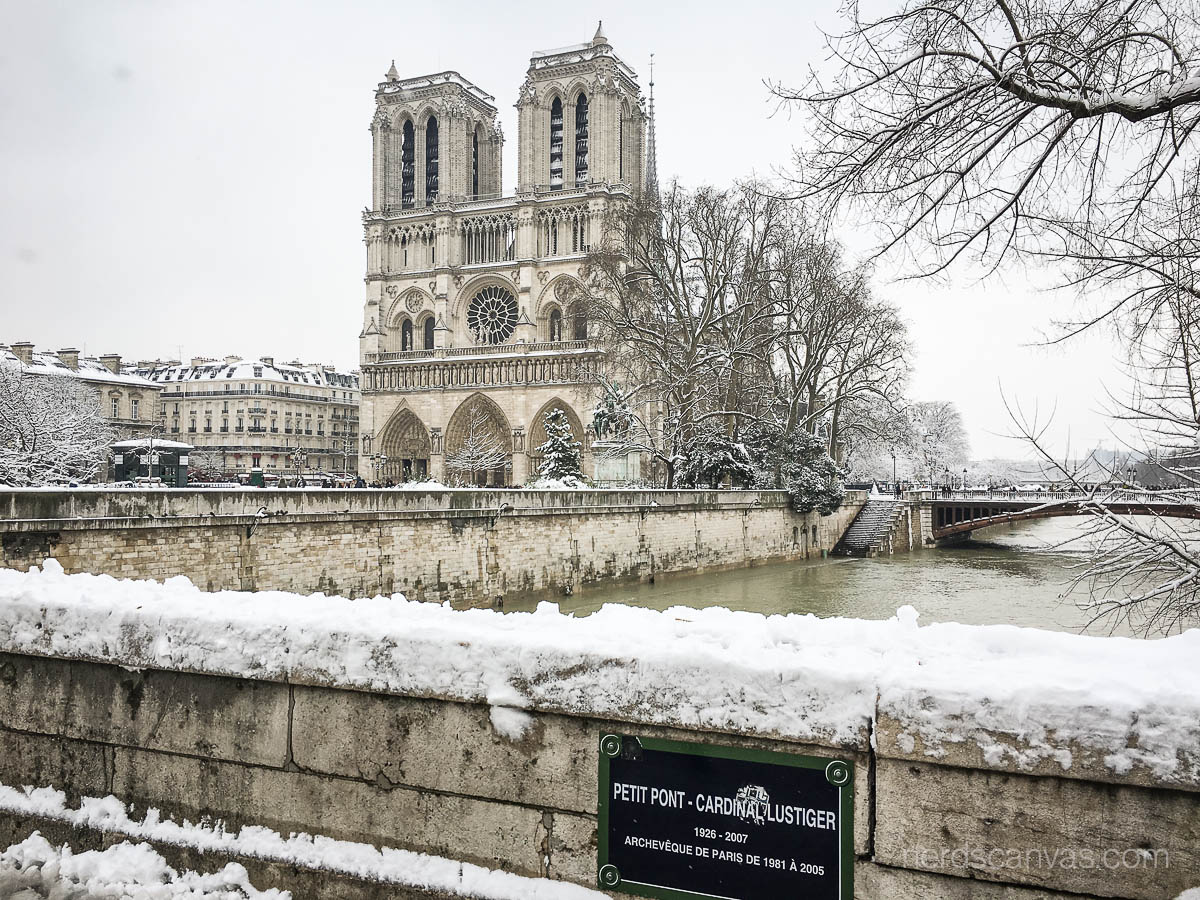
[(651, 147), (599, 39), (392, 74)]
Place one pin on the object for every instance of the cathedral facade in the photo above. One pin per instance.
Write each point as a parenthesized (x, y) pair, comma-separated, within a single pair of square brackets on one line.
[(469, 333)]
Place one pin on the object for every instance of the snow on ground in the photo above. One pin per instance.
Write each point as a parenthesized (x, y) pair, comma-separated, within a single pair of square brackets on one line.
[(1022, 695), (36, 870), (139, 865), (558, 484)]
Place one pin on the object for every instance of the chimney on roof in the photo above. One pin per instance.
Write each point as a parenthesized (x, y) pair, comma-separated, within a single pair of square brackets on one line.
[(23, 350), (230, 360), (267, 360), (112, 362), (70, 358)]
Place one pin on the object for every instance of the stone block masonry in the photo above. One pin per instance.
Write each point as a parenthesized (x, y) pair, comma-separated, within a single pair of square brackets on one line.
[(469, 546)]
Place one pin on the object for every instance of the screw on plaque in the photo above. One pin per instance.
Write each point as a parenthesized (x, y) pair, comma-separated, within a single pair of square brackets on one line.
[(837, 773), (610, 745), (631, 749), (609, 876)]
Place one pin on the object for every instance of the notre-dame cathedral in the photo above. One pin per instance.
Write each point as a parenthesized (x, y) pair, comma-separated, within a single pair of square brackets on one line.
[(469, 336)]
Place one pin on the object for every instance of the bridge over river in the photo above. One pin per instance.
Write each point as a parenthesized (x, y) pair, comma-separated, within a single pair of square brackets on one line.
[(929, 517)]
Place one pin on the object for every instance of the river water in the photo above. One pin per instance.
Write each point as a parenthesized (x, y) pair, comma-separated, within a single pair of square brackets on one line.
[(1012, 574)]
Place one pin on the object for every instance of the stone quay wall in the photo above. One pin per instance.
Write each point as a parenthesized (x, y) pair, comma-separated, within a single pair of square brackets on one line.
[(435, 776), (467, 546)]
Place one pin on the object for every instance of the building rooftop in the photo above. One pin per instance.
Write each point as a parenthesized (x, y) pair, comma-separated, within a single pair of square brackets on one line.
[(233, 367), (89, 368), (394, 84)]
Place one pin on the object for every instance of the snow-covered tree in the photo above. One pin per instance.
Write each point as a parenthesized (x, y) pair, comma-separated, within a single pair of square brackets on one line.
[(483, 449), (939, 439), (809, 474), (712, 456), (560, 453), (51, 429)]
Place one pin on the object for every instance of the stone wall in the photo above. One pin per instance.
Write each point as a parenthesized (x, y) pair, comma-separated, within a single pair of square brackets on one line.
[(467, 546), (432, 775)]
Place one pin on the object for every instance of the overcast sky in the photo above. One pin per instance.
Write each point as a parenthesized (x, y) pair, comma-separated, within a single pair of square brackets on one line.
[(186, 179)]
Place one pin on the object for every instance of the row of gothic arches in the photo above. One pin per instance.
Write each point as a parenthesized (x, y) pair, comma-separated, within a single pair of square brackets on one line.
[(478, 443)]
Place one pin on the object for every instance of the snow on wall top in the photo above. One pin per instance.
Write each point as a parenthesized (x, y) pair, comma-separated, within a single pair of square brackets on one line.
[(1013, 697)]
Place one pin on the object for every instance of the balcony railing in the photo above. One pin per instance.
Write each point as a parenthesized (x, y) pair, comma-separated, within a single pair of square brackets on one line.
[(404, 356)]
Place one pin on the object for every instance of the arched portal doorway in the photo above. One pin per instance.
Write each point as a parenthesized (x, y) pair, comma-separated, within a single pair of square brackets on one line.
[(537, 432), (479, 443), (405, 443)]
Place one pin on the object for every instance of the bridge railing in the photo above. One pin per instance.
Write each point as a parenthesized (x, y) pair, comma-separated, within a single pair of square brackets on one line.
[(1108, 496)]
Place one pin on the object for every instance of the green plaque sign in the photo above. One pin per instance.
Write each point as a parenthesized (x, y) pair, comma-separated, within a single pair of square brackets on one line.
[(681, 821)]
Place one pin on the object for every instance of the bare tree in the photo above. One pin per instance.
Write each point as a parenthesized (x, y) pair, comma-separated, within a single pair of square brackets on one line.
[(483, 449), (51, 429), (730, 324), (989, 123), (667, 294)]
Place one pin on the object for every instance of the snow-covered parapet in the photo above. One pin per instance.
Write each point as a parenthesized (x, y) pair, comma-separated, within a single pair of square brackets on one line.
[(992, 696)]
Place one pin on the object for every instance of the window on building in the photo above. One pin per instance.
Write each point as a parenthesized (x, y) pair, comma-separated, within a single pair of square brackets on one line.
[(133, 408), (475, 164), (406, 335), (581, 138), (116, 408), (578, 324), (556, 145), (408, 169), (192, 425), (431, 161), (428, 338), (555, 325)]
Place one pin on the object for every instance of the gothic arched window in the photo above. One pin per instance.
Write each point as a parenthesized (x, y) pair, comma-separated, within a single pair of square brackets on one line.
[(556, 145), (555, 325), (431, 161), (581, 138), (578, 323), (406, 335), (407, 166), (429, 333)]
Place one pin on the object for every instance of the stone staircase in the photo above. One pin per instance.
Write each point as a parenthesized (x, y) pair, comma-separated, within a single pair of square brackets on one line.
[(868, 533)]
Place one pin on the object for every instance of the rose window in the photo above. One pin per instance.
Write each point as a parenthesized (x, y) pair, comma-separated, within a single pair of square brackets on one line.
[(492, 316)]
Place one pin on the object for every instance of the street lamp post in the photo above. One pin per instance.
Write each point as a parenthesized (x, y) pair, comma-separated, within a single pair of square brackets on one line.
[(299, 458), (150, 450), (895, 485)]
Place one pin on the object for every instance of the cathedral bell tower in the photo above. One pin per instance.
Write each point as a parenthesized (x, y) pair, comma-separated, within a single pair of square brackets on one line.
[(581, 120), (435, 139)]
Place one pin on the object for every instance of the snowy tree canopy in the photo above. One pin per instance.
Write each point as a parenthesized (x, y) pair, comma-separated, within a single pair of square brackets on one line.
[(51, 429)]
